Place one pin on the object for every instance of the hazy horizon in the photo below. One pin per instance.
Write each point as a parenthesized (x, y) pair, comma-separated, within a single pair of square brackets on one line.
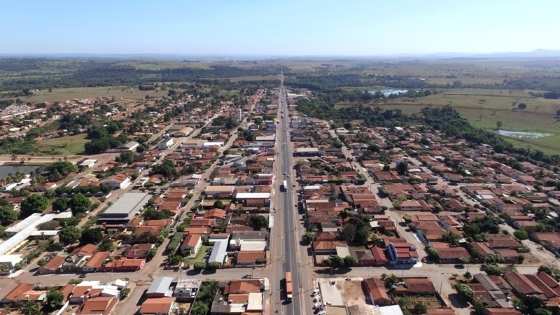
[(279, 29)]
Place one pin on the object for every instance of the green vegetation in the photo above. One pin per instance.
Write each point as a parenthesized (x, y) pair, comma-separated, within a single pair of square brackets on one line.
[(204, 298), (174, 243), (91, 236), (78, 203), (356, 230), (70, 235), (127, 157), (152, 214), (54, 301), (199, 258), (102, 138), (58, 170), (22, 74), (475, 230), (7, 213), (106, 245), (17, 146), (258, 222), (35, 203), (67, 145), (165, 169), (521, 234)]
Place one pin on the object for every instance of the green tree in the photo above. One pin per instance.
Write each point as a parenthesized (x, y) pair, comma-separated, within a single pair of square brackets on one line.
[(7, 214), (91, 236), (127, 157), (211, 267), (499, 125), (356, 231), (349, 261), (219, 204), (174, 260), (59, 170), (464, 291), (199, 309), (419, 308), (31, 308), (433, 256), (451, 238), (55, 300), (492, 269), (60, 204), (402, 167), (35, 203), (79, 204), (479, 308), (69, 234), (166, 169), (521, 234), (152, 214), (335, 262), (106, 245), (258, 222)]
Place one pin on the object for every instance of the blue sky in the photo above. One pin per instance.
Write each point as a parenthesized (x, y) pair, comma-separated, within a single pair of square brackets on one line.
[(267, 27)]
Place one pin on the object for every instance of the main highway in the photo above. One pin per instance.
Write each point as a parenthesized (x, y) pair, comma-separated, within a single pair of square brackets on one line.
[(286, 203)]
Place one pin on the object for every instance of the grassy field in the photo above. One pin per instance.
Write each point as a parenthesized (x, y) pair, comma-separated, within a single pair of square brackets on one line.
[(119, 92), (199, 258), (485, 108), (69, 145)]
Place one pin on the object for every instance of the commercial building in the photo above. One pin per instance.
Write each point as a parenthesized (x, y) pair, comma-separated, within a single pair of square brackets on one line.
[(125, 208), (22, 230)]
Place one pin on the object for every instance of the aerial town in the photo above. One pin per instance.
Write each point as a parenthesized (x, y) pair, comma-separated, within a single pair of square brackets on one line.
[(249, 205), (280, 157)]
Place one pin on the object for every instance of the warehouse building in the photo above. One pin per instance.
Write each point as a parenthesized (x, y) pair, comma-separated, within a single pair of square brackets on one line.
[(122, 211)]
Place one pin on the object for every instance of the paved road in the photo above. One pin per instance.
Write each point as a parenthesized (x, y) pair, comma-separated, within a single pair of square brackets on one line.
[(287, 206)]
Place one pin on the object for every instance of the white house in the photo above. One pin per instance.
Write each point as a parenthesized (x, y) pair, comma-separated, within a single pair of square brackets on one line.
[(118, 181)]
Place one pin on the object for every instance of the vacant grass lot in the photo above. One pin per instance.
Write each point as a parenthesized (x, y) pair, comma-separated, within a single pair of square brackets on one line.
[(199, 258), (69, 145), (485, 108)]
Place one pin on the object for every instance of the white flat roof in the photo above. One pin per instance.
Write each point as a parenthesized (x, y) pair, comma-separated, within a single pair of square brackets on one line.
[(255, 302), (219, 251), (307, 149), (252, 245), (311, 187), (24, 223), (388, 310), (213, 144), (13, 259), (128, 204), (23, 234), (252, 196)]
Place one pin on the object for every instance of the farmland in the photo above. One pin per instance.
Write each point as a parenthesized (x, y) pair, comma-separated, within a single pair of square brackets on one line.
[(486, 108)]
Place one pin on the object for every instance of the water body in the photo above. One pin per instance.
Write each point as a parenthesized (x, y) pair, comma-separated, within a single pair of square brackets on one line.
[(522, 134), (6, 170), (387, 92)]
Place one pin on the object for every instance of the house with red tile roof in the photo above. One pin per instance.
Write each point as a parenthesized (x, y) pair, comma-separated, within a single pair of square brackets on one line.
[(156, 306), (102, 305), (124, 265), (191, 244), (376, 292), (52, 266)]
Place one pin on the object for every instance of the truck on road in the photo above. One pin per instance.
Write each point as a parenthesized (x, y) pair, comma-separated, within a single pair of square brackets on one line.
[(284, 185), (289, 286)]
